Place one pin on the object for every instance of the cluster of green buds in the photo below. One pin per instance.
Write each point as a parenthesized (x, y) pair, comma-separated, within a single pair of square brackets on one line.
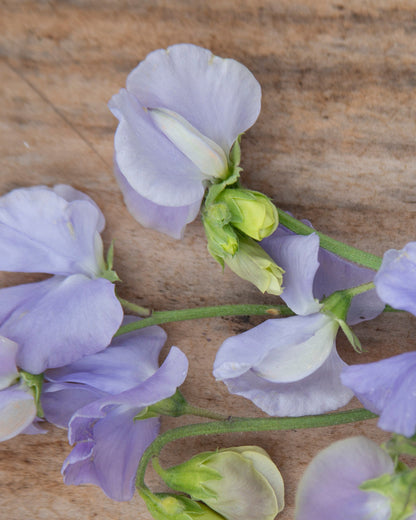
[(234, 221), (217, 484)]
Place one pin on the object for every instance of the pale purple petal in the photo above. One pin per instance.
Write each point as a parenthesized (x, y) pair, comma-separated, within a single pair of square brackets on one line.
[(329, 488), (162, 384), (219, 97), (42, 232), (70, 194), (129, 360), (59, 320), (168, 220), (61, 400), (111, 452), (110, 442), (320, 392), (17, 411), (335, 274), (151, 164), (298, 256), (279, 350), (396, 280), (8, 369), (387, 388)]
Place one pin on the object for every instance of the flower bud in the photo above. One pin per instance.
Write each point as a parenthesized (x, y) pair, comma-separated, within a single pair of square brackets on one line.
[(251, 212), (202, 151), (239, 483), (164, 506), (222, 239), (252, 263)]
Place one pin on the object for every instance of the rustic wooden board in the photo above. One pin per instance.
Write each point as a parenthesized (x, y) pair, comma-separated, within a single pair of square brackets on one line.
[(334, 143)]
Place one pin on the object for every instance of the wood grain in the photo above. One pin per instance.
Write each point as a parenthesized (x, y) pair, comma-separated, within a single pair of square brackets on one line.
[(334, 143)]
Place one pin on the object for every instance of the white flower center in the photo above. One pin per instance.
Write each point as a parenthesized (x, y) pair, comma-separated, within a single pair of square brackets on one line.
[(202, 151)]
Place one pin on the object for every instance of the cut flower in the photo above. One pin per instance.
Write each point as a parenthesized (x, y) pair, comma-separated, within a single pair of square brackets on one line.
[(180, 114), (290, 366), (73, 313)]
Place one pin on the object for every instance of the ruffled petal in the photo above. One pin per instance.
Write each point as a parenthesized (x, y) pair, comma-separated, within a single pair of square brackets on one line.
[(109, 458), (151, 164), (279, 350), (320, 392), (219, 97), (396, 279), (330, 486), (388, 388), (59, 320), (162, 384), (61, 400), (41, 232), (129, 360), (168, 220), (298, 256), (8, 369), (17, 411)]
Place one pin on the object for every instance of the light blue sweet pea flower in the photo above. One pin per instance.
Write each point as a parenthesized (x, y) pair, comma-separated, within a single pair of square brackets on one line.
[(181, 112), (387, 388), (75, 312), (396, 279), (330, 486), (290, 366), (98, 397)]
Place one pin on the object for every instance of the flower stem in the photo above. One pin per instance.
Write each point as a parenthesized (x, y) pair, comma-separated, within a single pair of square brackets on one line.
[(160, 317), (359, 289), (330, 244), (243, 424), (137, 309)]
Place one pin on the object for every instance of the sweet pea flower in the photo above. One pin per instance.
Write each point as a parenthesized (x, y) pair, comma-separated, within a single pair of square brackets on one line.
[(99, 398), (387, 388), (181, 112), (290, 366), (17, 403), (75, 312), (330, 486), (396, 279)]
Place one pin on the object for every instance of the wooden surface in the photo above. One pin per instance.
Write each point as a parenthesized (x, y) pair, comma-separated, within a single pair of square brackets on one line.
[(334, 143)]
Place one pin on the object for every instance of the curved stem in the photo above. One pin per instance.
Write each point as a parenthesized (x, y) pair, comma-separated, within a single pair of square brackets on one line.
[(330, 244), (137, 309), (243, 424), (159, 317)]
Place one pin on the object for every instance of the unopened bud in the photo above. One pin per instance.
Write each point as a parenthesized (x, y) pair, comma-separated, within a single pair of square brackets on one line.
[(253, 264), (251, 212), (222, 239), (239, 483)]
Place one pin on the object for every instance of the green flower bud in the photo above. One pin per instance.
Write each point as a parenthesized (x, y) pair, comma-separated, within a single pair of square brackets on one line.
[(164, 506), (251, 212), (252, 263), (222, 239), (239, 483)]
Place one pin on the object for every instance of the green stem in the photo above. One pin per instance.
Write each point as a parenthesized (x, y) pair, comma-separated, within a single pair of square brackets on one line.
[(137, 309), (159, 317), (330, 244), (242, 424), (203, 412), (359, 289)]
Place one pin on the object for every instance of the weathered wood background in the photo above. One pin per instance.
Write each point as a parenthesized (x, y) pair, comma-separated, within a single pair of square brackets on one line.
[(334, 143)]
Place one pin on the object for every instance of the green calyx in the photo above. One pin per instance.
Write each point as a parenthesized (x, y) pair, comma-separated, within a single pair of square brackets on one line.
[(164, 506), (108, 273), (400, 488), (337, 306), (34, 382), (174, 406)]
